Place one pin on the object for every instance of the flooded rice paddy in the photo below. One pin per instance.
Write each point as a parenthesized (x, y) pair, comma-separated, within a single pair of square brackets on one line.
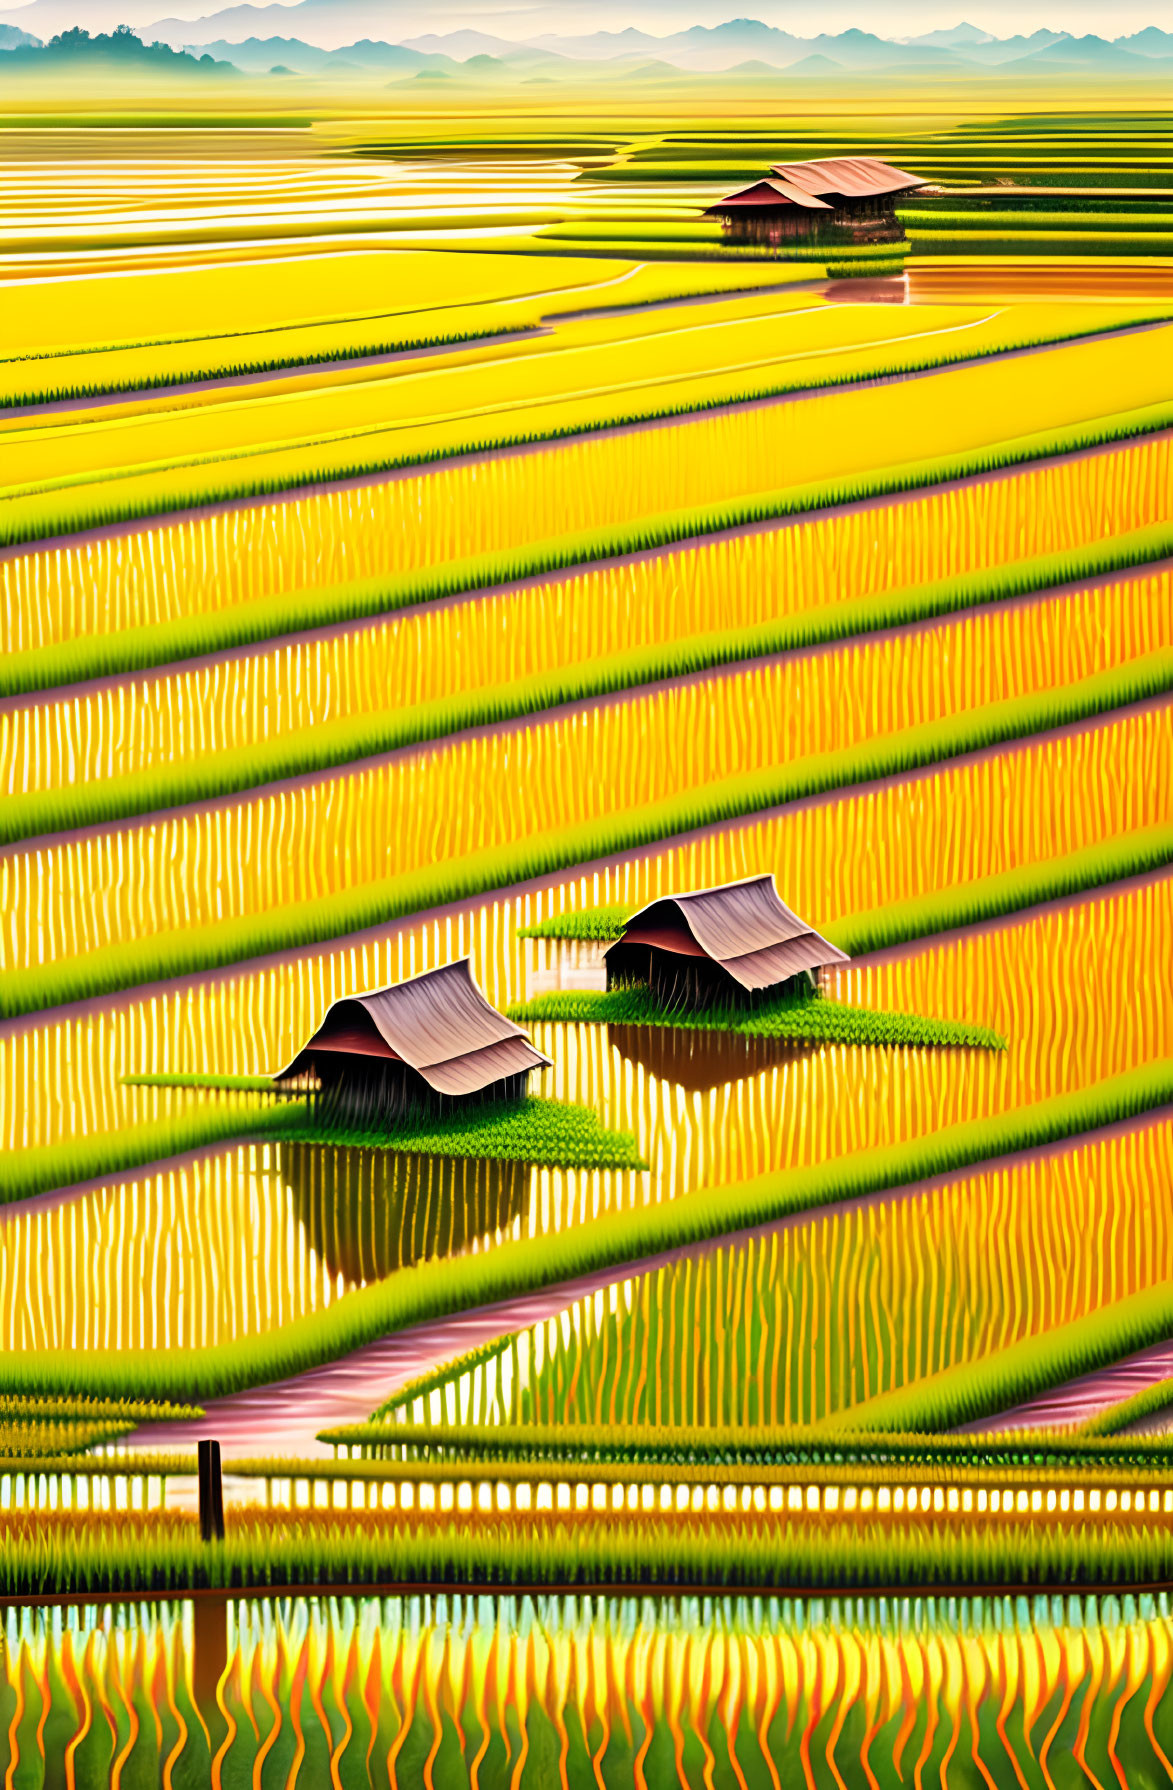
[(239, 1238), (524, 1693)]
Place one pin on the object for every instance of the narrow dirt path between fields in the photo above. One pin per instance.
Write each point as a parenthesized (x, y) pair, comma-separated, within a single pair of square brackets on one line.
[(284, 1418), (1063, 1407)]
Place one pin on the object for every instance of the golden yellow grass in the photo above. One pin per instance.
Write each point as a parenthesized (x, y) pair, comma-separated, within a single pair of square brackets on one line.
[(186, 712), (62, 898), (1063, 987), (214, 562), (400, 298), (237, 1241), (70, 474), (587, 358), (795, 1326), (78, 317)]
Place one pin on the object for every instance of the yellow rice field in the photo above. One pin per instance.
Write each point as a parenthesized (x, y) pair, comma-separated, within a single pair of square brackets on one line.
[(831, 700), (74, 474), (588, 358), (1042, 798), (1061, 986), (55, 320), (783, 1690), (823, 1313), (238, 1241), (252, 1236), (213, 562)]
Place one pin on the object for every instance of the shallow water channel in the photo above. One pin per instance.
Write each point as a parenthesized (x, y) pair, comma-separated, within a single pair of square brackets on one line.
[(528, 1692)]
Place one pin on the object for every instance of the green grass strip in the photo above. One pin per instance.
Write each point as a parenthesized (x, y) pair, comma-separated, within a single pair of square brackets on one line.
[(819, 1021), (243, 367), (323, 746), (47, 1167), (554, 1133), (288, 612), (876, 929), (122, 1553), (1148, 1403), (166, 955), (234, 1084), (1092, 867), (437, 1289), (1012, 1376), (1023, 1451), (42, 511), (26, 1437), (70, 1410)]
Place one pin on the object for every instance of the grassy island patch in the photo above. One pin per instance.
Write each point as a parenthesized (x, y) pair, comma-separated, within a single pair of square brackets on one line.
[(554, 1133), (812, 1021)]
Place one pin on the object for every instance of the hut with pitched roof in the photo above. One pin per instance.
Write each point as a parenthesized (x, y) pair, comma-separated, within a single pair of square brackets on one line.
[(433, 1043), (848, 199), (732, 946)]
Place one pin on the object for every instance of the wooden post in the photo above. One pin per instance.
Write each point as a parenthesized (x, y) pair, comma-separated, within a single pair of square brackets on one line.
[(211, 1492)]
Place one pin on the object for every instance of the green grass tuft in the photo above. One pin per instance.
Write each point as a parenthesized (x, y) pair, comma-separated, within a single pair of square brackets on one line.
[(817, 1021), (554, 1133), (226, 1084)]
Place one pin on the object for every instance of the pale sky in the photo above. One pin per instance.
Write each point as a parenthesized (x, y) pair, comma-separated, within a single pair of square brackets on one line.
[(403, 19)]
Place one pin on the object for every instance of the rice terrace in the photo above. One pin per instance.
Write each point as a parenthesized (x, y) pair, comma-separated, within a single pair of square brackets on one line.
[(586, 897)]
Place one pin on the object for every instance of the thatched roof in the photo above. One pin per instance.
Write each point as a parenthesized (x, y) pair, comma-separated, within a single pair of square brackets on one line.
[(765, 194), (810, 185), (847, 177), (439, 1024), (742, 926)]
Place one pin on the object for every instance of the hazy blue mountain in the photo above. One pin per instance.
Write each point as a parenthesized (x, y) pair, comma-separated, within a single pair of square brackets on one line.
[(11, 38), (728, 47), (1085, 52), (1149, 42), (956, 38), (293, 56)]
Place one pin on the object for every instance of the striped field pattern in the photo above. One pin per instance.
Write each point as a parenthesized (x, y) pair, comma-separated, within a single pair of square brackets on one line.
[(495, 709)]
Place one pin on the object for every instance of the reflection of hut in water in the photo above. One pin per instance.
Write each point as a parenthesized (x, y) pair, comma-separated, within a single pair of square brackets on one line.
[(368, 1212), (845, 199), (431, 1044), (733, 946), (698, 1060)]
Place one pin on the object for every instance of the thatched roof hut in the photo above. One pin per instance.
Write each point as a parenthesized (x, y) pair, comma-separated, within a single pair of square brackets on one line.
[(855, 194), (722, 946), (431, 1042)]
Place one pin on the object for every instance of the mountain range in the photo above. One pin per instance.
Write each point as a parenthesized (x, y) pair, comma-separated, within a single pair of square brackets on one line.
[(305, 43)]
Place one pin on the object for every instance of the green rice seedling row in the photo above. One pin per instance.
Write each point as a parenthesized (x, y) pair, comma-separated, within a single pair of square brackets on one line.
[(39, 741), (123, 962), (441, 1287)]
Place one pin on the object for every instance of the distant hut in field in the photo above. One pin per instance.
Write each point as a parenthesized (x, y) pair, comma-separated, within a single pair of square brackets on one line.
[(852, 199), (430, 1044), (723, 947)]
